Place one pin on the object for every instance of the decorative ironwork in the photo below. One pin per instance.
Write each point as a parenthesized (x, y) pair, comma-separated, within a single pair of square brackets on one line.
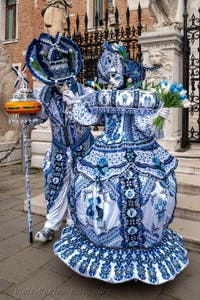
[(191, 78), (90, 42)]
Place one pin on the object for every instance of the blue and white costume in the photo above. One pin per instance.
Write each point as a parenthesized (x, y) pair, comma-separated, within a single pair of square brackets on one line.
[(123, 195), (56, 61), (60, 159)]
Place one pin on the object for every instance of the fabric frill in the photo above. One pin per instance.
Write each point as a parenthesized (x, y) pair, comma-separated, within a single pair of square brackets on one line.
[(154, 265)]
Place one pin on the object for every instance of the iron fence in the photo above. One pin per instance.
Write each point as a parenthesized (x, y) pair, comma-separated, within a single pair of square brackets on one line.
[(90, 42), (191, 78)]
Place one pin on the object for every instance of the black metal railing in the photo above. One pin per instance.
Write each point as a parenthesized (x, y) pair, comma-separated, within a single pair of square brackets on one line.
[(191, 78), (91, 41)]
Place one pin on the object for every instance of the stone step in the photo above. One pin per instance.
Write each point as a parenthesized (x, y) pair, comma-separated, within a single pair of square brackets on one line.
[(188, 183), (188, 207), (195, 146), (189, 230), (188, 165)]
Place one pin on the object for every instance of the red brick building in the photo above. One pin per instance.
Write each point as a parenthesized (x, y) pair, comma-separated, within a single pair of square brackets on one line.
[(21, 20)]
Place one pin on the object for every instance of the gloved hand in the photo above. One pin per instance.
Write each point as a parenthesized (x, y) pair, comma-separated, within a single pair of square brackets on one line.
[(69, 97), (164, 112)]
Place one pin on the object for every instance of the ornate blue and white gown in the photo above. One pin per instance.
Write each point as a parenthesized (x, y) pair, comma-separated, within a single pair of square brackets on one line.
[(123, 197), (70, 141)]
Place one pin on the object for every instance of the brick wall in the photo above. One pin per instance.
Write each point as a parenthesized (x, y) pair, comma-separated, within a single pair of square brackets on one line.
[(79, 8), (30, 24)]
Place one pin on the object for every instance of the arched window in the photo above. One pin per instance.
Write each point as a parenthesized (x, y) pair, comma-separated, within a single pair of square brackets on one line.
[(10, 22)]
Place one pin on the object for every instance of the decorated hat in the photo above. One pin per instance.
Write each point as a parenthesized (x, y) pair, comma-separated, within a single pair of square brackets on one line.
[(115, 59), (53, 60)]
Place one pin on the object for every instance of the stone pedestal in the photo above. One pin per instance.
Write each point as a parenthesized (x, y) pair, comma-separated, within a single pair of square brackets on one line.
[(163, 46)]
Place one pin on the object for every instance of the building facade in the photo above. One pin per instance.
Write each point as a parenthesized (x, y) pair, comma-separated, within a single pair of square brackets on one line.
[(21, 20)]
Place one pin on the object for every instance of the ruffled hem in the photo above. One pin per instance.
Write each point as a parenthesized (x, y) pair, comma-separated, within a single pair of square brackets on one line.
[(155, 265)]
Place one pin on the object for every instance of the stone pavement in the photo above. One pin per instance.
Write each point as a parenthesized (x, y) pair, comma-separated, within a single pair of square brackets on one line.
[(33, 272)]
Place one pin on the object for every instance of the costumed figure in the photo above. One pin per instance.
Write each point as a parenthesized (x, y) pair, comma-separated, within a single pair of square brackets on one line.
[(124, 193), (56, 61)]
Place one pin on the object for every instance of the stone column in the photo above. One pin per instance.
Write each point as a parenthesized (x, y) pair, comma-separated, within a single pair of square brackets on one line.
[(163, 46)]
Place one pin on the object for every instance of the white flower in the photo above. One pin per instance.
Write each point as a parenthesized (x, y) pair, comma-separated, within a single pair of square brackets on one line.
[(129, 80), (115, 46), (152, 90), (186, 103), (163, 86), (166, 91), (183, 92)]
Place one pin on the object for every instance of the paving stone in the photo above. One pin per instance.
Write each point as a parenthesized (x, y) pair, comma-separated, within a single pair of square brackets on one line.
[(133, 290), (8, 215), (4, 284), (40, 284), (7, 297), (18, 207), (17, 225), (19, 266), (15, 182), (8, 202), (13, 227), (108, 297), (57, 266), (49, 298), (44, 247), (186, 285), (79, 287), (166, 297), (14, 244), (2, 257)]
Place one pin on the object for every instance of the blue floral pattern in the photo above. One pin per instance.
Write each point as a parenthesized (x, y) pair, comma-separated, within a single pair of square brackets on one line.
[(123, 197), (155, 265), (160, 208)]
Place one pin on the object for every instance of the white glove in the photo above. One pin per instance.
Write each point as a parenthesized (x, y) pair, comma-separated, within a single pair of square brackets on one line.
[(69, 97), (164, 112)]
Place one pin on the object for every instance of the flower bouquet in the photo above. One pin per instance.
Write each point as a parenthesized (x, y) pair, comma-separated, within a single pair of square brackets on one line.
[(170, 95)]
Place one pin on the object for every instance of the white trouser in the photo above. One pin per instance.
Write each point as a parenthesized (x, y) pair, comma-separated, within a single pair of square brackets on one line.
[(56, 214)]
